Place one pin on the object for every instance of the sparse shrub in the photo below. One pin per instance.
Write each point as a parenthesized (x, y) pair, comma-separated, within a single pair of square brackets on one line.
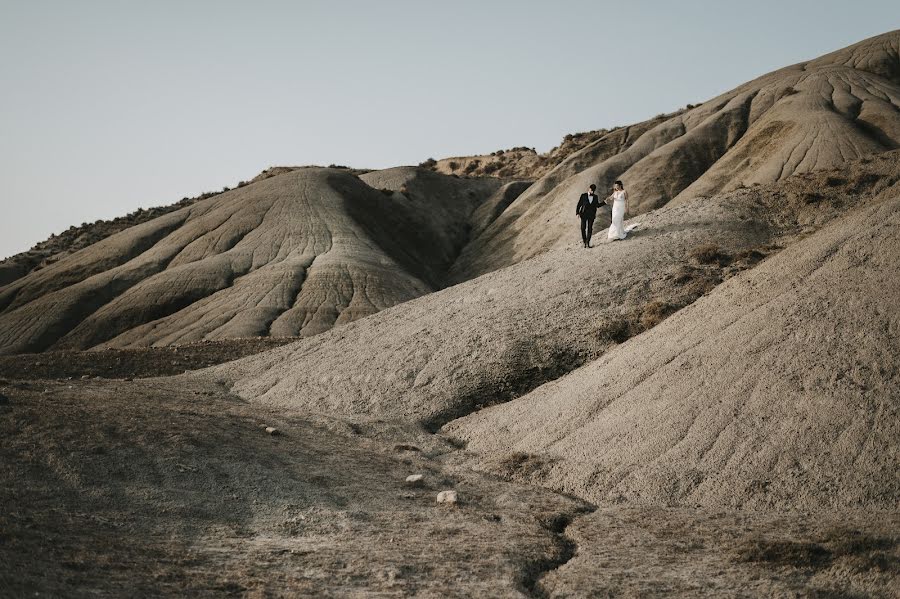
[(470, 168), (865, 182), (696, 287), (834, 181), (709, 254), (490, 167), (812, 198), (521, 463), (750, 256), (453, 165), (654, 312), (788, 553), (615, 330), (429, 164)]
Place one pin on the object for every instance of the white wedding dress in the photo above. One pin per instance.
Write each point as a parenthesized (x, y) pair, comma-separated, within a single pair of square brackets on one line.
[(617, 228)]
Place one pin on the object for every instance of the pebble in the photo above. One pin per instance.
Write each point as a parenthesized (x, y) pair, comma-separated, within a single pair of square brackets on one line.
[(415, 480), (447, 497), (272, 430)]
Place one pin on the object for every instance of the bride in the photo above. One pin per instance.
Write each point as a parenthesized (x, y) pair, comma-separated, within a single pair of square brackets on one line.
[(618, 198)]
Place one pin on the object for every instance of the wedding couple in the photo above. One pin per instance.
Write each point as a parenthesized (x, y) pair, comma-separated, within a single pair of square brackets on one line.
[(587, 211)]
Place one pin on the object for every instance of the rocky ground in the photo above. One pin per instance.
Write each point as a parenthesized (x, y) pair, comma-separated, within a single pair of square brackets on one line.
[(134, 363), (163, 487)]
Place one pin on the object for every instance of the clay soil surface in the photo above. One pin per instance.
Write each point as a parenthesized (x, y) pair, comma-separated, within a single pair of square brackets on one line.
[(166, 487)]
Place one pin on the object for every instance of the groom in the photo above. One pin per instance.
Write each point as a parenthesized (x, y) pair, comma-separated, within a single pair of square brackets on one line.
[(587, 210)]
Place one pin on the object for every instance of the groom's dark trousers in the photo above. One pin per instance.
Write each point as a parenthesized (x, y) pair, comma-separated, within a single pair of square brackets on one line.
[(587, 210)]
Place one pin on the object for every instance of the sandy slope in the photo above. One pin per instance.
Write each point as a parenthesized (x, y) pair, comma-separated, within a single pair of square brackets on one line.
[(498, 336), (778, 390), (437, 357), (290, 255), (814, 115)]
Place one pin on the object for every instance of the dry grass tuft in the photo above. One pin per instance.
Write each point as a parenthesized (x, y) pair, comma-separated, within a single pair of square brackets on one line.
[(710, 254), (520, 464), (654, 312), (858, 551)]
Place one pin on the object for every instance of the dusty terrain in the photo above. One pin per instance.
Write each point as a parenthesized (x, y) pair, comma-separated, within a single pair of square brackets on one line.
[(707, 408), (138, 362), (772, 392), (165, 487)]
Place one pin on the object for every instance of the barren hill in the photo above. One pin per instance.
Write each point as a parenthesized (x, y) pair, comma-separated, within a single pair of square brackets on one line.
[(297, 250), (289, 255), (493, 338), (801, 118), (708, 408), (778, 390)]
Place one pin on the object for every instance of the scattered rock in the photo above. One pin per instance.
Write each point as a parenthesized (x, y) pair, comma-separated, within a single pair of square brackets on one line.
[(272, 430), (5, 400), (415, 480), (84, 377), (449, 497)]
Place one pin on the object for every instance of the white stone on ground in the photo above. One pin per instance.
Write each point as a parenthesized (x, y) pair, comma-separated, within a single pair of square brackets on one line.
[(447, 497)]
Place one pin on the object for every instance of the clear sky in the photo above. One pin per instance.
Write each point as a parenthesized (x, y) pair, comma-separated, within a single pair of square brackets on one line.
[(109, 106)]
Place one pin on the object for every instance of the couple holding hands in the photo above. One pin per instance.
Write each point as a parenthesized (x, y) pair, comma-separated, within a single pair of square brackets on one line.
[(587, 211)]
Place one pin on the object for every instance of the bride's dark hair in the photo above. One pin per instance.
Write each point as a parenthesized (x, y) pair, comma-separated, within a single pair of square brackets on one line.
[(620, 184)]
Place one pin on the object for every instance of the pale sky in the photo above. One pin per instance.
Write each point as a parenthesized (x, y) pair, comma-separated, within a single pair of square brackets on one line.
[(110, 106)]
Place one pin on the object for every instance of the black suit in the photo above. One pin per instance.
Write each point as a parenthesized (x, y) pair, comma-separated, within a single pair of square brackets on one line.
[(587, 210)]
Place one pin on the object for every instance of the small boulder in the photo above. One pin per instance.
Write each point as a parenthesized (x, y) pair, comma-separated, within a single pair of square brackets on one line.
[(272, 430), (415, 480), (449, 497)]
